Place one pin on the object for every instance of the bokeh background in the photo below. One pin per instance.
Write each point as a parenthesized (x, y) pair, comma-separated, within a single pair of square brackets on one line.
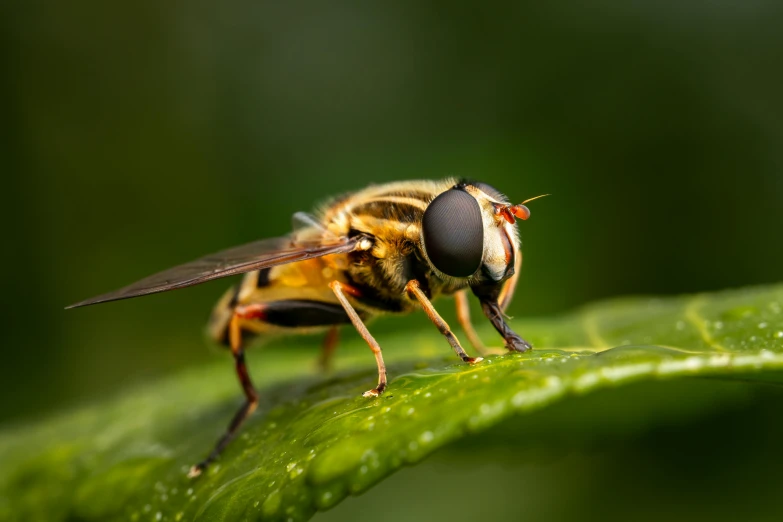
[(139, 135)]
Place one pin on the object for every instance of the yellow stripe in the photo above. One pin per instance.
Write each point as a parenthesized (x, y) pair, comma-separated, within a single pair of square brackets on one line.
[(400, 200), (373, 224)]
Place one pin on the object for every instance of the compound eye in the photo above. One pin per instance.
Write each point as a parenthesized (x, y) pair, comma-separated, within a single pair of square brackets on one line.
[(491, 191), (453, 232)]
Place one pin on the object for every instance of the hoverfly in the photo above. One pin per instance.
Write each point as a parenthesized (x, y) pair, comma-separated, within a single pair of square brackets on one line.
[(389, 248)]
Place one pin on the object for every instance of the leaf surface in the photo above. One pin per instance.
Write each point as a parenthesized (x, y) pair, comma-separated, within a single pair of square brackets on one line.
[(315, 439)]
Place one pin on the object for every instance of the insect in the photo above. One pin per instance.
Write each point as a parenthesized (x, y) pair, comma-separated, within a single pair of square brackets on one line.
[(389, 248)]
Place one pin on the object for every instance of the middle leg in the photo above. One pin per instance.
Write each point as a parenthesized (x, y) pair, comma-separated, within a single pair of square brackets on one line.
[(463, 316), (340, 290), (329, 345)]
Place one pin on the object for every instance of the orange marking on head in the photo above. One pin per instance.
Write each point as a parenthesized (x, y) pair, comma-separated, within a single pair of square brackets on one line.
[(504, 212), (520, 211)]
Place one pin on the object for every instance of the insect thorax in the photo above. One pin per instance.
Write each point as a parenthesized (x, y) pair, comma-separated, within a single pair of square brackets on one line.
[(391, 215)]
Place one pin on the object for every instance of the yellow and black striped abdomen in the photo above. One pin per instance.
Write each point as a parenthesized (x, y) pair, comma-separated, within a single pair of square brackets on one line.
[(294, 296)]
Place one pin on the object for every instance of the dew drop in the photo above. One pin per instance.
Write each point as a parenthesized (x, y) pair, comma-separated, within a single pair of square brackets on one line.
[(740, 312), (680, 325)]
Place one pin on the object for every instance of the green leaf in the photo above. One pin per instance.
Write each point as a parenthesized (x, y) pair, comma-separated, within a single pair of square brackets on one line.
[(315, 439)]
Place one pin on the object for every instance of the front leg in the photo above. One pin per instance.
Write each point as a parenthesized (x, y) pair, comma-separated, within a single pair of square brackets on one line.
[(414, 291), (514, 343)]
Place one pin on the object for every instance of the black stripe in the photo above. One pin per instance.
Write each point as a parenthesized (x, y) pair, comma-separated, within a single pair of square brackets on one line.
[(263, 278), (234, 298), (415, 268), (392, 210), (225, 338), (299, 313), (371, 297)]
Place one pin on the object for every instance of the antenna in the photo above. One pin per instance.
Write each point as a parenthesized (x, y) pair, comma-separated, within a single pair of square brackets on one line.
[(509, 212)]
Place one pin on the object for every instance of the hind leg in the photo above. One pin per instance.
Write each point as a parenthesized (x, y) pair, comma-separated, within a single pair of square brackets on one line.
[(279, 315), (251, 396)]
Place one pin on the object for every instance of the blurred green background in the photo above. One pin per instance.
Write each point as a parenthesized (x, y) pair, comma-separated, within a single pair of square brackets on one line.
[(137, 136), (143, 135)]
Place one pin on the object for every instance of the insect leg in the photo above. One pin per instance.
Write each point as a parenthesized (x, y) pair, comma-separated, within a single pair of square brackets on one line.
[(328, 347), (507, 292), (339, 290), (513, 341), (251, 396), (413, 289), (463, 316)]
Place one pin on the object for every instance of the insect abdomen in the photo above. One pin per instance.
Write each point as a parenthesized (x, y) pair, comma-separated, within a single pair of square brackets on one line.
[(294, 297)]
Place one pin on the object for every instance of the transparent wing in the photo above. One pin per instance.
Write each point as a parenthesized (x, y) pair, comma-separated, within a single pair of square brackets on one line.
[(306, 226), (237, 260)]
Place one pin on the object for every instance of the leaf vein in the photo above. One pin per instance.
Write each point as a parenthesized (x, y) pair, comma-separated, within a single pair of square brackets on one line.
[(699, 322)]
